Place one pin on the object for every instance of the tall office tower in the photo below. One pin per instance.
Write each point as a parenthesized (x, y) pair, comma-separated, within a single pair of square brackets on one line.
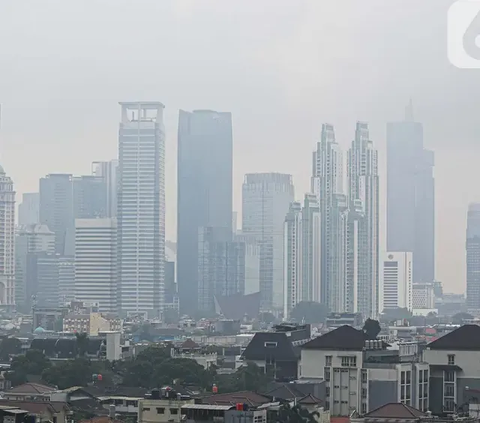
[(56, 210), (363, 192), (355, 270), (66, 279), (108, 172), (302, 250), (29, 209), (396, 280), (252, 262), (265, 203), (221, 266), (293, 255), (327, 184), (89, 197), (473, 257), (7, 240), (141, 208), (48, 293), (30, 240), (411, 196), (95, 262), (204, 178)]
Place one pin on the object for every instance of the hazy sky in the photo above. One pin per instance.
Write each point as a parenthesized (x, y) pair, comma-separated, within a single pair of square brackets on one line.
[(282, 67)]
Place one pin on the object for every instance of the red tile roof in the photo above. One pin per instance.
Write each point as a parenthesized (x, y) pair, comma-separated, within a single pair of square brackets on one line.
[(395, 411), (244, 397)]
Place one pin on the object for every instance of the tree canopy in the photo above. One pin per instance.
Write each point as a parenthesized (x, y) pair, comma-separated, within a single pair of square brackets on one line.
[(371, 329), (392, 314), (458, 318), (310, 312)]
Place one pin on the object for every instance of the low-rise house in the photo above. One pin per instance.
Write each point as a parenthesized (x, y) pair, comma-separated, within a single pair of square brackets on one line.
[(162, 406), (278, 351), (43, 411), (30, 392)]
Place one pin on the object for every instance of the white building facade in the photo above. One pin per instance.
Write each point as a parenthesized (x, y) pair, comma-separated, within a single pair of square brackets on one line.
[(327, 185), (95, 262), (141, 208), (364, 201), (7, 240), (396, 281)]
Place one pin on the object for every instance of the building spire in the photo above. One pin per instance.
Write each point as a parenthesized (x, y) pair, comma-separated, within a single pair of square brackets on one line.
[(409, 112)]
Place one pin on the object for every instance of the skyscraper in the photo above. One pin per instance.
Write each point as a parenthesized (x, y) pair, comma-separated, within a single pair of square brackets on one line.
[(89, 197), (95, 262), (30, 240), (141, 208), (107, 171), (265, 203), (396, 281), (411, 196), (56, 210), (363, 194), (7, 240), (327, 184), (473, 258), (204, 178), (29, 209), (302, 250)]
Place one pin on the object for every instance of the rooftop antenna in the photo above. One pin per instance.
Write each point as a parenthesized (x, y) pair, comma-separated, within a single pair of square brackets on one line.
[(409, 112)]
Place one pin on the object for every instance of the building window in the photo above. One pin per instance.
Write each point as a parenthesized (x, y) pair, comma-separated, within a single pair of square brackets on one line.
[(173, 410), (160, 410), (425, 375), (270, 344), (146, 409), (328, 360), (349, 361), (364, 393), (364, 408), (327, 391), (327, 374), (451, 359), (450, 390), (364, 376), (449, 376), (449, 405)]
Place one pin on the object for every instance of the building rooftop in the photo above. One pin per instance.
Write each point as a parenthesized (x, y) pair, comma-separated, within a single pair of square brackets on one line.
[(343, 338), (396, 411), (31, 388), (465, 338), (245, 397)]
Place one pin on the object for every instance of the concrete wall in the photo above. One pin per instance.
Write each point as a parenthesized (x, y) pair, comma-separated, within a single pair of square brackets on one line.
[(312, 362)]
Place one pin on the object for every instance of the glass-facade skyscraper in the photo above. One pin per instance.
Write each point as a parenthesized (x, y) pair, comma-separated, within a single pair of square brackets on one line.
[(204, 196)]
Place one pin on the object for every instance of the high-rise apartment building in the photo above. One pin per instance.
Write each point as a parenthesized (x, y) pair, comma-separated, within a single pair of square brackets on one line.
[(204, 178), (411, 196), (327, 184), (7, 240), (29, 209), (266, 199), (95, 262), (141, 208), (30, 240), (396, 281), (56, 210), (473, 257), (363, 194), (302, 250), (107, 171)]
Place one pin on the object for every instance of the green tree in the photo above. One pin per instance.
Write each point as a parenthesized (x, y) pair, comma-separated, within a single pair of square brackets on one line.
[(247, 378), (371, 329), (82, 344), (10, 346), (33, 362), (295, 414), (266, 317), (77, 372), (310, 312), (393, 314)]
